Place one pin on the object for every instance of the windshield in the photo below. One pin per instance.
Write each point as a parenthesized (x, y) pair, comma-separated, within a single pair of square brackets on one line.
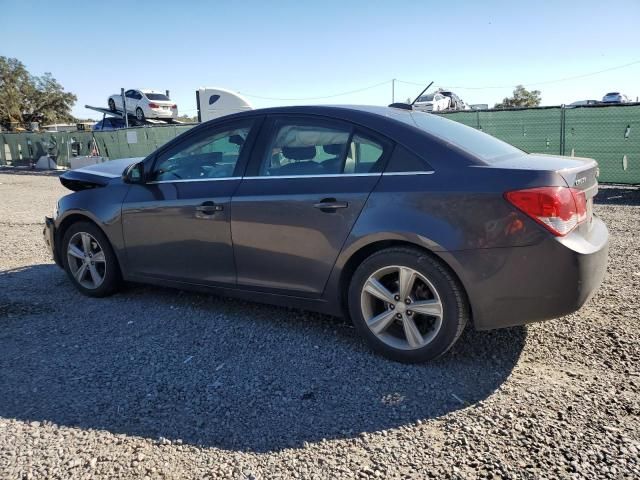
[(157, 96), (479, 144), (426, 98)]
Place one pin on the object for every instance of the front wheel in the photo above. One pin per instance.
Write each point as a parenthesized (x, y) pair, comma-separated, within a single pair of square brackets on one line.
[(407, 304), (89, 260), (112, 105)]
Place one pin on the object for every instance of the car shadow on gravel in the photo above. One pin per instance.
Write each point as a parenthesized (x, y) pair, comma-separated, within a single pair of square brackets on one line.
[(618, 195), (215, 372)]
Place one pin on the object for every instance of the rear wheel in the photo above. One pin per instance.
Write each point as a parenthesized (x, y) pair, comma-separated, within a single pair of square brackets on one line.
[(139, 114), (407, 304), (112, 105), (89, 260)]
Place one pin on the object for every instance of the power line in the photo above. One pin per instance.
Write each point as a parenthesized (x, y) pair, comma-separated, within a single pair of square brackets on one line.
[(318, 98), (531, 84)]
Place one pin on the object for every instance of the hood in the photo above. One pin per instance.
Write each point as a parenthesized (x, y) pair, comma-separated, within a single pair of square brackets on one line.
[(97, 175)]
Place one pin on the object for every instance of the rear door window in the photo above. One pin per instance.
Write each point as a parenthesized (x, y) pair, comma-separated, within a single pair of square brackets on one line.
[(305, 148), (314, 148)]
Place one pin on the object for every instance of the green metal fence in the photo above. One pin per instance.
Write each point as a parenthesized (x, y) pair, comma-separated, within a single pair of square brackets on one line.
[(23, 149), (610, 134)]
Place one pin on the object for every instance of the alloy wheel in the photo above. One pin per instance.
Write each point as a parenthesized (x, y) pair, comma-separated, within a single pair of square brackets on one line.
[(86, 260), (401, 307)]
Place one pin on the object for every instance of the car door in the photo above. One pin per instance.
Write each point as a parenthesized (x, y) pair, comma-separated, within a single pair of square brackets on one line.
[(132, 102), (305, 186), (177, 225)]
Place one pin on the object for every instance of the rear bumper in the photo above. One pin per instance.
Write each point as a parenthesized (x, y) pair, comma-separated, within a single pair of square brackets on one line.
[(520, 285), (49, 239), (157, 113)]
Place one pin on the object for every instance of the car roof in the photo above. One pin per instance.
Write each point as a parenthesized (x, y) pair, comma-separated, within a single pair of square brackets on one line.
[(394, 123)]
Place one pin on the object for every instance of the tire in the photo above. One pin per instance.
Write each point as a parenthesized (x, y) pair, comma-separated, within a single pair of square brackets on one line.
[(108, 269), (139, 114), (406, 335), (112, 105)]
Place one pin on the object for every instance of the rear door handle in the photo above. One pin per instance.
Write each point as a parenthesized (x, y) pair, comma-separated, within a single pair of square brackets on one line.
[(330, 204)]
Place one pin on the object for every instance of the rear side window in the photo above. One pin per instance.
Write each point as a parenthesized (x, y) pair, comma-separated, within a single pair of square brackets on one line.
[(303, 149), (364, 156), (403, 160), (308, 149)]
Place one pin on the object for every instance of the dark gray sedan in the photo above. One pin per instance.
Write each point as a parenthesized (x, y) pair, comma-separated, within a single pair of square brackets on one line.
[(408, 223)]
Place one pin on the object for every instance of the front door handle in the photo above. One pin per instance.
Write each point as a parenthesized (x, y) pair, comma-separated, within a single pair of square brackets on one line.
[(330, 204), (208, 208)]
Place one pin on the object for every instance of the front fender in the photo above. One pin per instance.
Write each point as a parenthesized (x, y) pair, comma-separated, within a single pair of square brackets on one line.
[(102, 206)]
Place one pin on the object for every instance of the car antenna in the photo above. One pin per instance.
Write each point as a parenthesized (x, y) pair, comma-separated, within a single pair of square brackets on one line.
[(409, 106)]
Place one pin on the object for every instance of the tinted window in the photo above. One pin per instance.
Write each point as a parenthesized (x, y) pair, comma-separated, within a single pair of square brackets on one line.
[(426, 98), (364, 156), (305, 149), (479, 144), (403, 160), (157, 96), (130, 93), (213, 155)]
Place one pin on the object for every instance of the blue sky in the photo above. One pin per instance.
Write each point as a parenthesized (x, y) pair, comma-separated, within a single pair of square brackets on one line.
[(300, 49)]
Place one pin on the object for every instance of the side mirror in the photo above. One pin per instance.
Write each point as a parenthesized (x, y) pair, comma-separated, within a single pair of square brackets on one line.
[(134, 173)]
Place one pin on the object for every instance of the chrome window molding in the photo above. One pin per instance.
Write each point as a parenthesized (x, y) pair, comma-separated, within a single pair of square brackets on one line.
[(189, 180), (280, 177), (328, 175), (388, 174)]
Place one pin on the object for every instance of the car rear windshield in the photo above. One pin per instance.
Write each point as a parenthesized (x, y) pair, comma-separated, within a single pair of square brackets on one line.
[(611, 93), (479, 144), (426, 98), (157, 96)]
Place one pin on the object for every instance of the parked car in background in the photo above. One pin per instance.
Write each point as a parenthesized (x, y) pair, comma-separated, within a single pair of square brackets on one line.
[(432, 102), (581, 103), (615, 97), (145, 104), (456, 102), (410, 224), (109, 123)]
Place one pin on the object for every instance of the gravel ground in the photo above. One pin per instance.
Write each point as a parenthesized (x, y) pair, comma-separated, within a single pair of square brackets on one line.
[(166, 384)]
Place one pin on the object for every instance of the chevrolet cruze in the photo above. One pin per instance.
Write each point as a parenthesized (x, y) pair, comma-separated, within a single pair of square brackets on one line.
[(409, 224)]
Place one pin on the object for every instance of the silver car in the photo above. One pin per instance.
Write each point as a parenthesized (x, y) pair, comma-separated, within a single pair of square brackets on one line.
[(615, 97)]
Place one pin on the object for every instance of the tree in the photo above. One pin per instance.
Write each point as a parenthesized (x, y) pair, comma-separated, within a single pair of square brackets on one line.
[(521, 98), (26, 98)]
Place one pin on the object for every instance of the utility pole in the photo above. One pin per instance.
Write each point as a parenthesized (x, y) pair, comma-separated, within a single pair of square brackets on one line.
[(393, 90)]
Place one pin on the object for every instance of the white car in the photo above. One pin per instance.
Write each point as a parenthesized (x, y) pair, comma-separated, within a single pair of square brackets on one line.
[(432, 102), (615, 97), (145, 104)]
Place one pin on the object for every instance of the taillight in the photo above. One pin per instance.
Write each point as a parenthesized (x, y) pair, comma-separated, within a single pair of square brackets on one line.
[(154, 105), (174, 106), (558, 209)]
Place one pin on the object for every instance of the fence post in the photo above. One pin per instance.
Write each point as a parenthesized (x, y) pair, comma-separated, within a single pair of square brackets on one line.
[(563, 129)]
